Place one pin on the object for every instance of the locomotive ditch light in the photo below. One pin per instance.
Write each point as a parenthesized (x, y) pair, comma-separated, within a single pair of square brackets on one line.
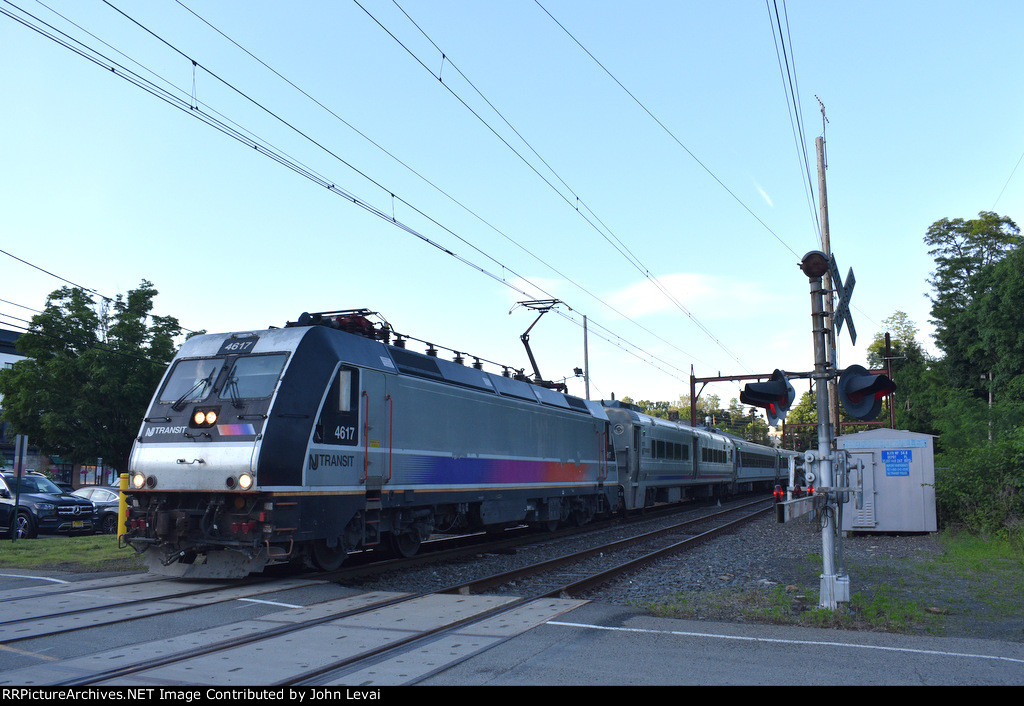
[(775, 396), (861, 393), (138, 480), (245, 481)]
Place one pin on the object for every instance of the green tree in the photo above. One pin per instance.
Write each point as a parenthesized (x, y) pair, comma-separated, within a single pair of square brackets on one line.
[(89, 375), (965, 253), (978, 309), (999, 311), (911, 371), (801, 424)]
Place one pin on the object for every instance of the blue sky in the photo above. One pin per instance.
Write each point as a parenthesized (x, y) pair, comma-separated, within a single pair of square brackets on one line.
[(105, 185)]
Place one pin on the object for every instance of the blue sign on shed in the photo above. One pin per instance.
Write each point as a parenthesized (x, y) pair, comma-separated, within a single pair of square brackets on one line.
[(897, 463)]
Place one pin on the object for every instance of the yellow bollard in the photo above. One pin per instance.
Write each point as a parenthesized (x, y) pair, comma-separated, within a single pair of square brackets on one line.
[(122, 508)]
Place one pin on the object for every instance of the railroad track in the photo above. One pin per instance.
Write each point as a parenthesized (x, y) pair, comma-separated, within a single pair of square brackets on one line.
[(362, 637), (52, 610)]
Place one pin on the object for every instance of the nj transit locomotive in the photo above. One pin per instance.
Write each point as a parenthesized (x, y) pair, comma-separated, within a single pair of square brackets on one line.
[(308, 442)]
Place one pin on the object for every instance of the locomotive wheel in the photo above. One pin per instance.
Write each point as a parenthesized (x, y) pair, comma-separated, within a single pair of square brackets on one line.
[(328, 558), (407, 543)]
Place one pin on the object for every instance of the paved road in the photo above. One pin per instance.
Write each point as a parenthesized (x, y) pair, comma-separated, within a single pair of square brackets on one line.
[(594, 644), (599, 644)]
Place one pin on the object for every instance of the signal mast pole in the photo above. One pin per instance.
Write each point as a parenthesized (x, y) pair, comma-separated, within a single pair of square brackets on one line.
[(834, 588)]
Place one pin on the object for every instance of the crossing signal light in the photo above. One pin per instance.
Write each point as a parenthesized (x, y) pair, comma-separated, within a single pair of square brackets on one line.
[(861, 392), (775, 396)]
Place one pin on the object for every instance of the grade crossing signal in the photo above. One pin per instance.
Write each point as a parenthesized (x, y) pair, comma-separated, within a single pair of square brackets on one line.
[(775, 396), (861, 392)]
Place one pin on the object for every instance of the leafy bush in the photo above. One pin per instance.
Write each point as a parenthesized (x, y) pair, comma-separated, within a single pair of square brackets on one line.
[(980, 488)]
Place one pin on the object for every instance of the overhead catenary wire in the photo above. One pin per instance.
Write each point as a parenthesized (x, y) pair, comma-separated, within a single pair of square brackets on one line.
[(791, 106), (790, 86), (667, 130), (574, 202), (192, 108), (508, 238)]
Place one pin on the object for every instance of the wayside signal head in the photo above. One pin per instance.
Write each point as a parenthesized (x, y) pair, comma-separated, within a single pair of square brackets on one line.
[(775, 396), (861, 392)]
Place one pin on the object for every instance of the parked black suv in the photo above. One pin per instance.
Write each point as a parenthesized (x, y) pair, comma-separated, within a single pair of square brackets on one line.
[(42, 507)]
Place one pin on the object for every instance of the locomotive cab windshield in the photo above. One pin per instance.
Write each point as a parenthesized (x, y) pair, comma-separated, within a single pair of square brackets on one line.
[(253, 377), (247, 377), (191, 381)]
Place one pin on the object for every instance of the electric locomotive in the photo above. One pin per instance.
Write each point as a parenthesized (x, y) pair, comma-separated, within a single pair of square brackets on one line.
[(308, 442)]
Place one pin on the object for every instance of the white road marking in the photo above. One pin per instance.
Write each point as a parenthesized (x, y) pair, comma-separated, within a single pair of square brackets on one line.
[(789, 642), (257, 600), (39, 578)]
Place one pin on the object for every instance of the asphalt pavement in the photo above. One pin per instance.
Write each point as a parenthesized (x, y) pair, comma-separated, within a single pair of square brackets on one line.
[(598, 644)]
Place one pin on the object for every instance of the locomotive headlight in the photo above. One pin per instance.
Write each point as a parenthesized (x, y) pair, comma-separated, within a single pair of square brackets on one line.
[(138, 480), (245, 481), (204, 417)]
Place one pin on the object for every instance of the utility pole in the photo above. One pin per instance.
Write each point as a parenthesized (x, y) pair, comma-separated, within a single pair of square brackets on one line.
[(586, 360), (20, 454), (826, 247)]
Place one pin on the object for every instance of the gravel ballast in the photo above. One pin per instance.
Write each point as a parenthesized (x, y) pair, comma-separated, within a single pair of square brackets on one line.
[(719, 579)]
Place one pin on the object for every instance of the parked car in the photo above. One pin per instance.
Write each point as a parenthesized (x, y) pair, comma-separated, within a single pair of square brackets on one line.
[(42, 507), (106, 502), (65, 487)]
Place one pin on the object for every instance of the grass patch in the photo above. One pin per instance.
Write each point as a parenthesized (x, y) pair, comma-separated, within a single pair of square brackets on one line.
[(972, 587), (90, 553), (780, 606)]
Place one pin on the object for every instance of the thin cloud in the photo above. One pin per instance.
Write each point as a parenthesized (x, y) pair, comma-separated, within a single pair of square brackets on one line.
[(708, 297)]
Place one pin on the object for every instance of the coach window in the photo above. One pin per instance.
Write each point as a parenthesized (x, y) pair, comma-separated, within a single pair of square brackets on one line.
[(339, 418)]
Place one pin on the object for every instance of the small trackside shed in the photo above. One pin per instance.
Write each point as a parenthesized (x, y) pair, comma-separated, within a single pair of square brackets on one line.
[(898, 482)]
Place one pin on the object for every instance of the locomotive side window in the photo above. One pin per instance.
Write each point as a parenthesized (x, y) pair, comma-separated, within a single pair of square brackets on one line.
[(254, 377), (191, 380), (339, 419)]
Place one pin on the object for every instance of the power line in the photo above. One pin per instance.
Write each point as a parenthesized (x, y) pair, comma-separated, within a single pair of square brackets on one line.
[(793, 102), (78, 345), (504, 235), (87, 290), (374, 182), (666, 129), (62, 279), (193, 109), (621, 249), (1012, 172)]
